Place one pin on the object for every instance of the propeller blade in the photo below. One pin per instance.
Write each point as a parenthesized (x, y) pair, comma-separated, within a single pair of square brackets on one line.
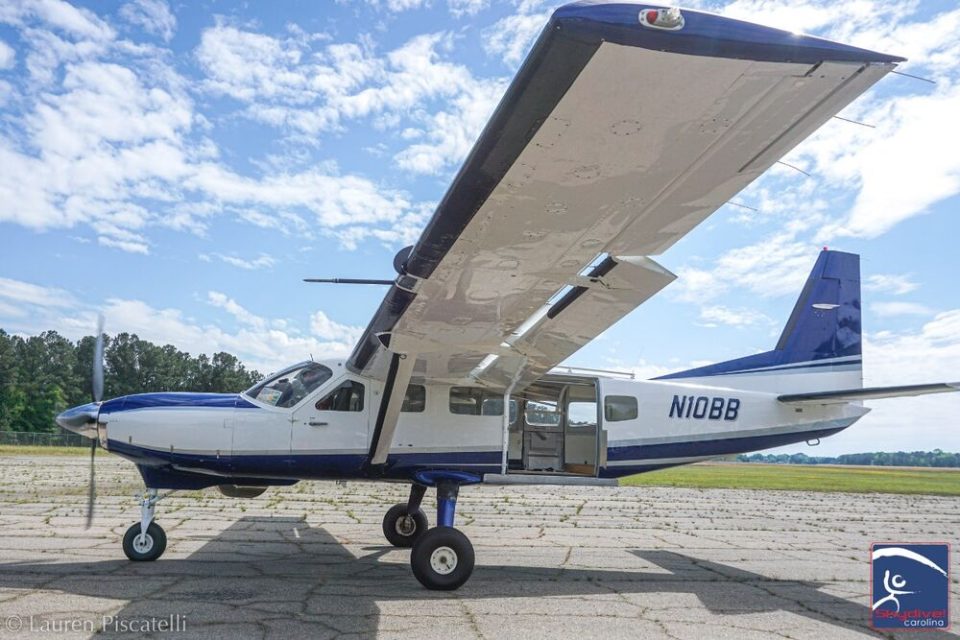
[(92, 493), (98, 362)]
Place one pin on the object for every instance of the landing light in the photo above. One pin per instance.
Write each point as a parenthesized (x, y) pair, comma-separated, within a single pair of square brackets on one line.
[(666, 19)]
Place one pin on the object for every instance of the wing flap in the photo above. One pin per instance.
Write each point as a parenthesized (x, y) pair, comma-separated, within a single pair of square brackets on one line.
[(869, 393), (557, 330)]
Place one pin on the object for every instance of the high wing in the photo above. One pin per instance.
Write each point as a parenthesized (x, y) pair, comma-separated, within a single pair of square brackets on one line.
[(626, 126), (869, 393)]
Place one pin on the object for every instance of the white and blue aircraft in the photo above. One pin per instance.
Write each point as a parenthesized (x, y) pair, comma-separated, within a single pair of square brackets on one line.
[(626, 127)]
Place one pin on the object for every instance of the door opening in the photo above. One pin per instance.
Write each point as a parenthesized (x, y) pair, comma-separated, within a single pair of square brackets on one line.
[(556, 430)]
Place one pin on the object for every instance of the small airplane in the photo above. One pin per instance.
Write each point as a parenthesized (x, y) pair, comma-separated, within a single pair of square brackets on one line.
[(627, 126)]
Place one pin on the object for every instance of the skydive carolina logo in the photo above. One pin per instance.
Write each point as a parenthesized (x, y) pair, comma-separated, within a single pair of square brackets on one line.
[(911, 586)]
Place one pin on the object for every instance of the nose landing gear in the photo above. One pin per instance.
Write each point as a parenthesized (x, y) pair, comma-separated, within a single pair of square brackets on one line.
[(145, 540), (404, 523)]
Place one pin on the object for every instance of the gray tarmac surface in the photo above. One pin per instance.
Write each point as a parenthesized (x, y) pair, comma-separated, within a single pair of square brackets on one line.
[(552, 562)]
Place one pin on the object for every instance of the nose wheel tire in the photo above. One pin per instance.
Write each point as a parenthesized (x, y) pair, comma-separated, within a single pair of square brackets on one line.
[(402, 529), (442, 559), (147, 547)]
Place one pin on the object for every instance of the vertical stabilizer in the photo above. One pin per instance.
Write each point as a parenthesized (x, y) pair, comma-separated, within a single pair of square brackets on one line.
[(820, 347)]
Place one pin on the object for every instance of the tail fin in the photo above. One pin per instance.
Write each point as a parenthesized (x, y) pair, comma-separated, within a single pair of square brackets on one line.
[(822, 338)]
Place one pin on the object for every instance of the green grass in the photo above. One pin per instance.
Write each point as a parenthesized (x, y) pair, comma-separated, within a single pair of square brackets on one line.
[(18, 450), (944, 482)]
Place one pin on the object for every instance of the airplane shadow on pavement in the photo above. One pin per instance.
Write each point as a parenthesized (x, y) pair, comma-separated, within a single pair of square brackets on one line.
[(279, 576)]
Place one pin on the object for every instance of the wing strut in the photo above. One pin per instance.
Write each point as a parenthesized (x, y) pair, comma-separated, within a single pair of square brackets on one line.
[(394, 390)]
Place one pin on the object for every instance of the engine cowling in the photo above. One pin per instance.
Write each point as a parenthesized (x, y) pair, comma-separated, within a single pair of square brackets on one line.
[(236, 491)]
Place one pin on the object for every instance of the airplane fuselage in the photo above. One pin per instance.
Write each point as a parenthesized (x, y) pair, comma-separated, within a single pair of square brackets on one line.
[(598, 426)]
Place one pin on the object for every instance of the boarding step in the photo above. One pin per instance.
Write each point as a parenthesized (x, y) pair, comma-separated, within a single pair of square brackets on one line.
[(531, 478)]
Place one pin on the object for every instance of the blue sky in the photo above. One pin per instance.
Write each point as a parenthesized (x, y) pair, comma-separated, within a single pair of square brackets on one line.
[(182, 166)]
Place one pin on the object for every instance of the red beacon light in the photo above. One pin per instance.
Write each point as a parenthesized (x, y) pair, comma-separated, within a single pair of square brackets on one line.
[(664, 19)]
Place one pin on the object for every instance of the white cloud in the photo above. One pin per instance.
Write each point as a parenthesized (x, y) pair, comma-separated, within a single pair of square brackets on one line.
[(777, 265), (458, 8), (247, 65), (511, 37), (928, 354), (32, 294), (712, 316), (899, 176), (326, 329), (231, 306), (396, 6), (890, 309), (130, 246), (263, 343), (451, 133), (8, 57), (895, 171), (404, 231), (288, 84), (892, 284), (120, 148), (153, 15), (263, 261), (461, 8), (864, 180), (11, 311), (258, 346), (59, 15)]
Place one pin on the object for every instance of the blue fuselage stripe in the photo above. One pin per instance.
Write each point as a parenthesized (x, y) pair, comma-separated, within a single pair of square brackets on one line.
[(403, 466)]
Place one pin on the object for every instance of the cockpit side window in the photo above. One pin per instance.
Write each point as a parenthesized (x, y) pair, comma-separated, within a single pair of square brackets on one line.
[(347, 397), (292, 385)]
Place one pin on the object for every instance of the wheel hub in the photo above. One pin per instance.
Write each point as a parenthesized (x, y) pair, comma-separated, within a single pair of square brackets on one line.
[(443, 560), (143, 543), (406, 525)]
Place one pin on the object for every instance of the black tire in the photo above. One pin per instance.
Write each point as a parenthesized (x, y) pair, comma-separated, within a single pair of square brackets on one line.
[(442, 559), (154, 546), (397, 526)]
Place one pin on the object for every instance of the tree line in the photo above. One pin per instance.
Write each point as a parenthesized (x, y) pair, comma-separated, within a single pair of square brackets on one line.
[(42, 375), (935, 458)]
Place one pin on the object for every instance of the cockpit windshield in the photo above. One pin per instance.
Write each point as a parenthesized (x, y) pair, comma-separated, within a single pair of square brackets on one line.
[(291, 385)]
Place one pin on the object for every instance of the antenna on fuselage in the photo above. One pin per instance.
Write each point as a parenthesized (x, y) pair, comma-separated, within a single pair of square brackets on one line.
[(348, 281)]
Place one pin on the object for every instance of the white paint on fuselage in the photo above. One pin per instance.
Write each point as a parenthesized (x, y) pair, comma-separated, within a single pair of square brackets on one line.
[(303, 429)]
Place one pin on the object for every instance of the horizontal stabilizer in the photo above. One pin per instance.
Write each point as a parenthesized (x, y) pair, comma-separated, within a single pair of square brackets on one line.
[(870, 393)]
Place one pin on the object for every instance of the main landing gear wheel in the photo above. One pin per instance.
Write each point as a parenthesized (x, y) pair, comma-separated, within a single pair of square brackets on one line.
[(146, 547), (442, 559), (401, 528)]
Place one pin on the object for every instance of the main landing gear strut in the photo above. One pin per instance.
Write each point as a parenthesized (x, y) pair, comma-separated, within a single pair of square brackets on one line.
[(442, 557), (145, 540)]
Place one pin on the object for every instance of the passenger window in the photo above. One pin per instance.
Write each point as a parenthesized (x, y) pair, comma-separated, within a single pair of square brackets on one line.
[(347, 397), (415, 401), (494, 407), (582, 414), (542, 414), (473, 401), (618, 408)]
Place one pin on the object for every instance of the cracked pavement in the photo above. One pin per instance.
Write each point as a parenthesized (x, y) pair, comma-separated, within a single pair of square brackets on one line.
[(552, 562)]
